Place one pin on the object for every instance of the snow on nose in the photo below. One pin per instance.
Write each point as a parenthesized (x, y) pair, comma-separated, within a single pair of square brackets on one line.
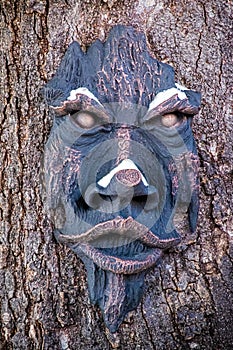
[(126, 164)]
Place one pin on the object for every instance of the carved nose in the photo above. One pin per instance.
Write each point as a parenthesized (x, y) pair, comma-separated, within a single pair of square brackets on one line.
[(125, 187)]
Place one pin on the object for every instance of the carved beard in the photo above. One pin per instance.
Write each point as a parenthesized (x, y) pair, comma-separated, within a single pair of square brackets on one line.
[(115, 294)]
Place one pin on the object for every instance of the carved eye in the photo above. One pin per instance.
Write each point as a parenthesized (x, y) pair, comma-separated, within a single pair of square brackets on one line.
[(170, 120), (84, 119)]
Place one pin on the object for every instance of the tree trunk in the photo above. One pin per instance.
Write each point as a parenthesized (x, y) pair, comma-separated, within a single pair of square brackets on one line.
[(188, 300)]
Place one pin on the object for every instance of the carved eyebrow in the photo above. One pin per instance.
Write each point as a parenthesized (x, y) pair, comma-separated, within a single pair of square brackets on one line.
[(166, 94), (175, 99), (82, 91), (81, 99)]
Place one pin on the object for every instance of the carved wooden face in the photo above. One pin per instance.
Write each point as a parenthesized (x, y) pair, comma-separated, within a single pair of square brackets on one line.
[(119, 163)]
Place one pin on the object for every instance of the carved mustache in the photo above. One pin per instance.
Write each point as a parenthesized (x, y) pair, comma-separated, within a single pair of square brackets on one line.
[(126, 228)]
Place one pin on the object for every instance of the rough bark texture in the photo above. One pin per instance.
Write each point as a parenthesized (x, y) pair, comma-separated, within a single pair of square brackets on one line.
[(188, 302)]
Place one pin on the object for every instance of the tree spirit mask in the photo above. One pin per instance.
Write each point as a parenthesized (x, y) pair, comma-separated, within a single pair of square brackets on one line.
[(119, 163)]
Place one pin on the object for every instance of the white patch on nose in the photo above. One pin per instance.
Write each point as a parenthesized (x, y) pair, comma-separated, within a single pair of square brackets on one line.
[(124, 165), (82, 91)]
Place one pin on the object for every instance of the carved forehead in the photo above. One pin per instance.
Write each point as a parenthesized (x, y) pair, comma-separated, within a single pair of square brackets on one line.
[(120, 69)]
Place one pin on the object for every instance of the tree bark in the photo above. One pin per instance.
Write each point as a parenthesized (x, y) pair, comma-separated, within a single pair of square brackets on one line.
[(188, 299)]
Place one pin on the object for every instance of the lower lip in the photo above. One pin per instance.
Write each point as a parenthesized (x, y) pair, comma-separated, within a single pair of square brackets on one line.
[(137, 263)]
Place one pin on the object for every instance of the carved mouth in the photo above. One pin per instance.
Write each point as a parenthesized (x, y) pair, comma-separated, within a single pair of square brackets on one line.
[(120, 245)]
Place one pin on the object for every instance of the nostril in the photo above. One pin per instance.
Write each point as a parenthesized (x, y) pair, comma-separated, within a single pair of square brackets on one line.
[(102, 199), (108, 198), (149, 196), (92, 197)]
